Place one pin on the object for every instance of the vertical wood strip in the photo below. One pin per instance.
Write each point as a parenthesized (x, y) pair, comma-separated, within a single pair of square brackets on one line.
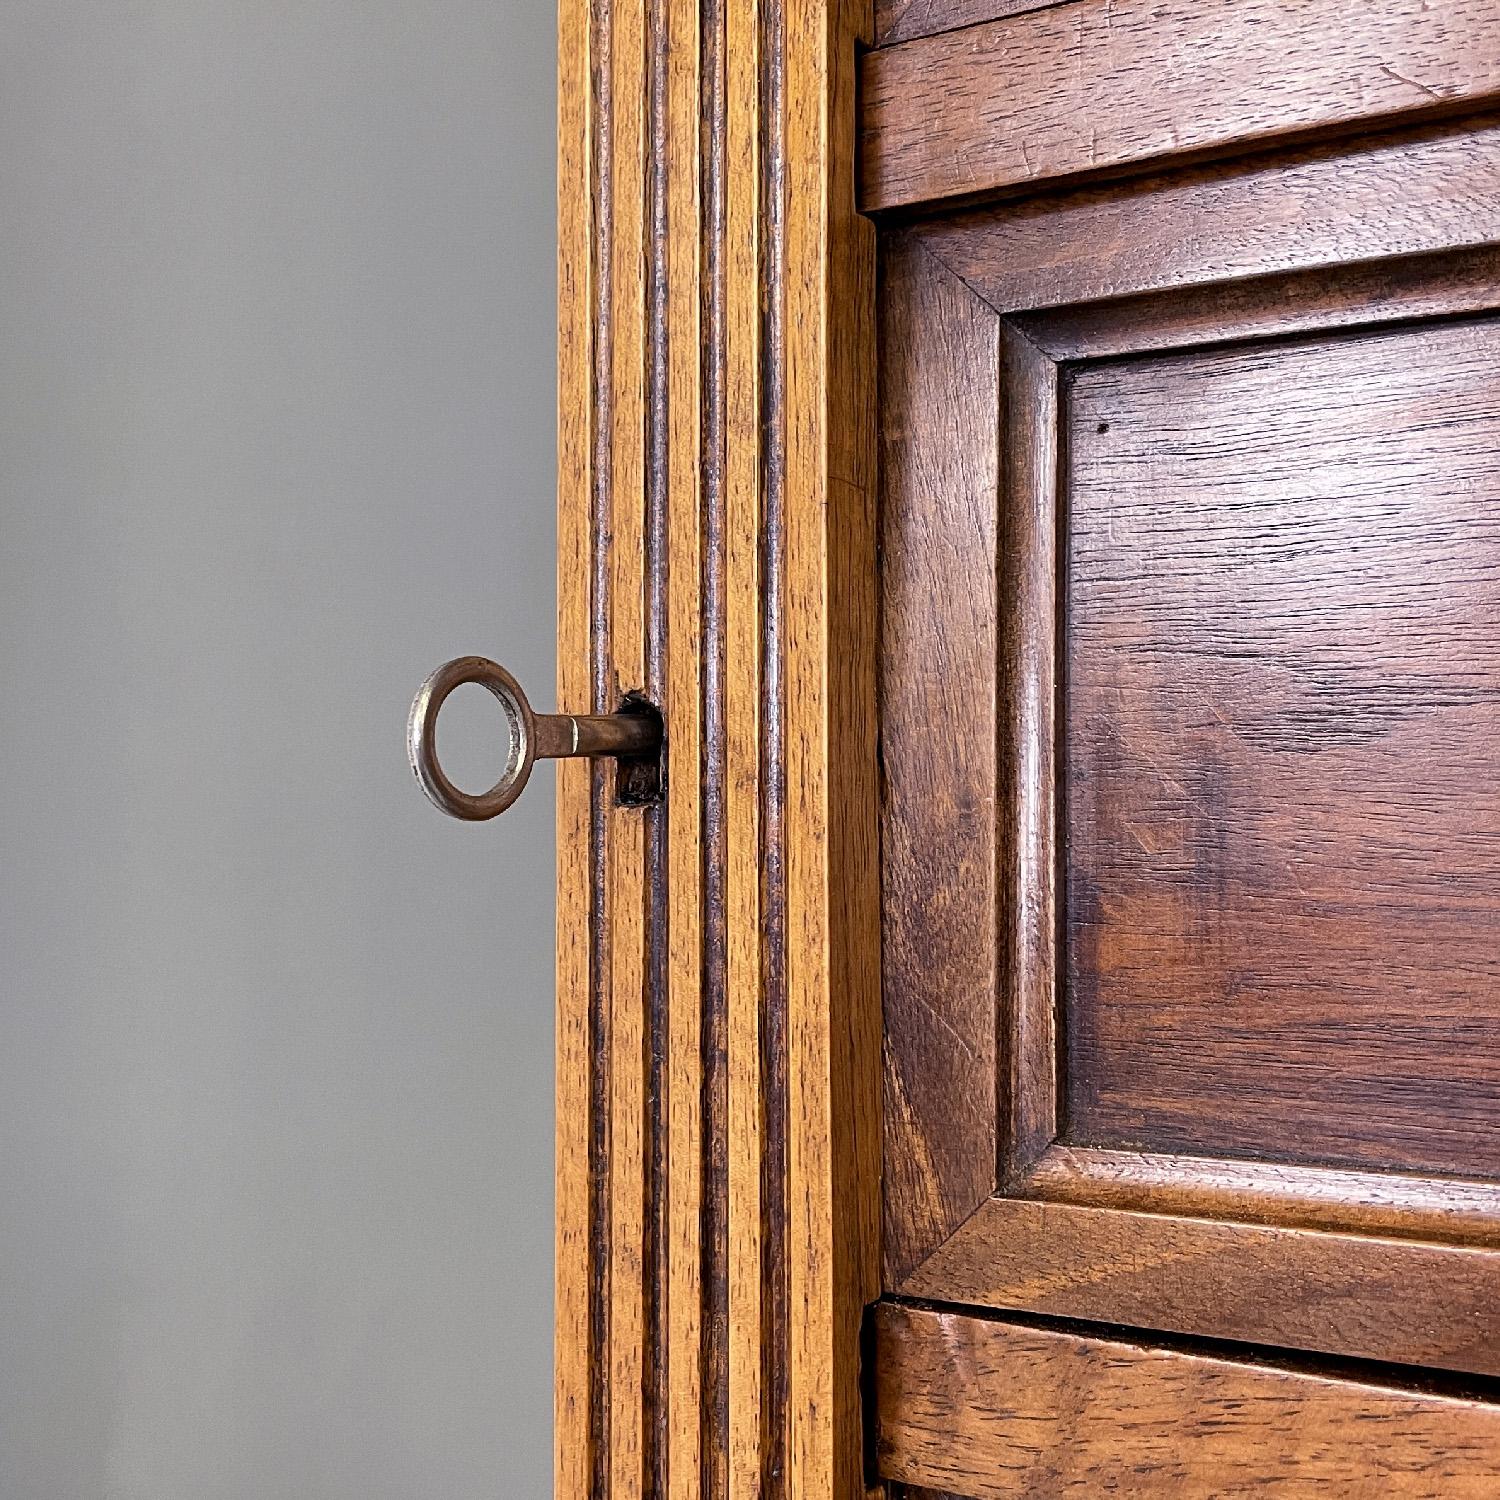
[(574, 1272), (601, 1195), (719, 1147), (718, 976), (629, 898), (850, 750), (831, 861), (775, 1207), (739, 258), (657, 564), (682, 710), (1028, 630), (939, 661)]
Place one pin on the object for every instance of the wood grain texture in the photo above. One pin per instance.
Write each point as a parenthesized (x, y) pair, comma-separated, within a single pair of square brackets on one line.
[(1028, 861), (1103, 85), (993, 1410), (1240, 420), (1218, 1248), (628, 987), (836, 1066), (1391, 1300), (575, 1342), (1443, 1210), (676, 161), (901, 20), (939, 655), (718, 1151), (1041, 264), (1443, 284), (1284, 695), (743, 1344), (1353, 202)]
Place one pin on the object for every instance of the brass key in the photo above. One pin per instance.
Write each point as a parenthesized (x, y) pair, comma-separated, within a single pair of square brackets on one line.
[(633, 736)]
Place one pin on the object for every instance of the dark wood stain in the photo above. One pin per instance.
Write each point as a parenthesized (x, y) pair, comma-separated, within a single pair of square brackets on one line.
[(1364, 202), (903, 20), (1284, 900), (993, 1410), (1101, 87), (1191, 479), (939, 695), (1438, 1210), (1389, 1300), (1029, 792)]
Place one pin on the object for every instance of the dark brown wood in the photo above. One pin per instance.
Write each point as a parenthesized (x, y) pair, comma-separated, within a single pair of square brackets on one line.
[(992, 1410), (1190, 698), (1443, 1210), (1368, 426), (1356, 202), (939, 476), (1283, 911), (935, 993), (1260, 469), (901, 20), (1442, 285), (1028, 843), (1346, 1294), (1099, 86)]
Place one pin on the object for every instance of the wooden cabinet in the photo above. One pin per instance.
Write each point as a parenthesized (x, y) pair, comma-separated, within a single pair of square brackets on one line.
[(1190, 732), (1044, 461)]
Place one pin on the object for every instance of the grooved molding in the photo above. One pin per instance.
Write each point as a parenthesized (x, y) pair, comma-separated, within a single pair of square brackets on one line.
[(718, 987)]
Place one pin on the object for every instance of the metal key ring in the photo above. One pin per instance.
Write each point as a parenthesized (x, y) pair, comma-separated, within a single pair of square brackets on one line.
[(421, 738), (633, 735)]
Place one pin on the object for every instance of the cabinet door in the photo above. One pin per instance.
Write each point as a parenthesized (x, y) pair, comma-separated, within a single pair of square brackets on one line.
[(1190, 727)]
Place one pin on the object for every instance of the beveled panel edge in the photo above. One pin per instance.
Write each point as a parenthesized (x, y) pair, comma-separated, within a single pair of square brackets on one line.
[(1331, 300), (1439, 1210), (1028, 851), (938, 475), (1399, 1302), (1361, 200), (905, 20)]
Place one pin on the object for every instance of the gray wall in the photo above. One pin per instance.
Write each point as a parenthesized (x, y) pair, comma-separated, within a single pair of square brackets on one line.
[(276, 340)]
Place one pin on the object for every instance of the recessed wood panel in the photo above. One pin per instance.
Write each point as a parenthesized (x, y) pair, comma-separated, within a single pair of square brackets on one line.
[(1282, 714)]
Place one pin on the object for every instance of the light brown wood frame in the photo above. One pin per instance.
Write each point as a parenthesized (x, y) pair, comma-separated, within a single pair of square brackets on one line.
[(718, 990)]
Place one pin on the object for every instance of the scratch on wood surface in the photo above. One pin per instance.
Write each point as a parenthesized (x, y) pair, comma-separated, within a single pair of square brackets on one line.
[(1415, 83)]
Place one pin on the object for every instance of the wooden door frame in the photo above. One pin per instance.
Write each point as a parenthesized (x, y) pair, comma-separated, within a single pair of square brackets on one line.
[(718, 973)]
